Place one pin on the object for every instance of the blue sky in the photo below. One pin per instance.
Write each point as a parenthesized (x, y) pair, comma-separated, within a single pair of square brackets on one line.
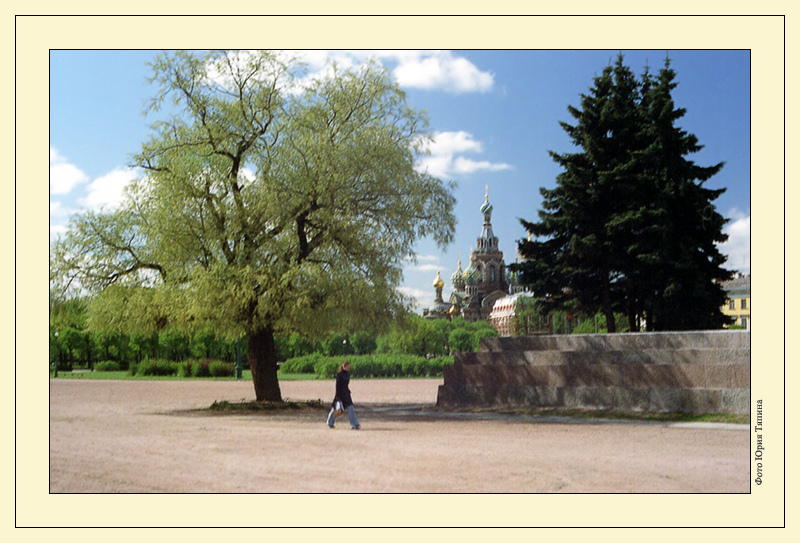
[(494, 116)]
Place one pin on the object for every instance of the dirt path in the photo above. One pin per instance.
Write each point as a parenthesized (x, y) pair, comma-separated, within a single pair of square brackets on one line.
[(149, 436)]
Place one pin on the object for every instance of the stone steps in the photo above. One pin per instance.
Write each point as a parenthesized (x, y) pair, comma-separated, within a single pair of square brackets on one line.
[(645, 356), (671, 371), (718, 339)]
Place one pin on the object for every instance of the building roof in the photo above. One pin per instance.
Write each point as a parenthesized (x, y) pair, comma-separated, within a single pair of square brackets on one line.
[(738, 286)]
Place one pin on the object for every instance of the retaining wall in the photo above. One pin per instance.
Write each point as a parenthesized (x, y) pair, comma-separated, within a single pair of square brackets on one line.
[(693, 372)]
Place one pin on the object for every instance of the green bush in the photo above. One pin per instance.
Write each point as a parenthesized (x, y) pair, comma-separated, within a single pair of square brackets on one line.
[(367, 366), (200, 368), (301, 364), (218, 368), (156, 367), (436, 365), (327, 367), (107, 365), (185, 369)]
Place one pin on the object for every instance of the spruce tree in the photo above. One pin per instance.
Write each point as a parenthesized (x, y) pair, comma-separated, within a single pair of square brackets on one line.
[(680, 259), (629, 226), (582, 217)]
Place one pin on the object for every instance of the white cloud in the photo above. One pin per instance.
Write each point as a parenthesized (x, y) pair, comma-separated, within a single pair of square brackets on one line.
[(465, 165), (737, 247), (454, 142), (442, 71), (442, 159), (64, 176), (108, 191), (430, 70), (422, 298), (423, 263)]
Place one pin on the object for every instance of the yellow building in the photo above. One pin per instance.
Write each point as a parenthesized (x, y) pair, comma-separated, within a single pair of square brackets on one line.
[(738, 303)]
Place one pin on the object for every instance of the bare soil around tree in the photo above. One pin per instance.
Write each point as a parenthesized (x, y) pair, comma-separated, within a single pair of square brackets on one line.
[(161, 437)]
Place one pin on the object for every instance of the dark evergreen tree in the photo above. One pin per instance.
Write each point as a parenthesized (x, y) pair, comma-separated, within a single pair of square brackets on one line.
[(579, 256), (680, 258), (629, 226)]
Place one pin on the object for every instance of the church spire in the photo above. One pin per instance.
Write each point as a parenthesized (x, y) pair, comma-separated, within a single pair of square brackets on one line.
[(487, 241)]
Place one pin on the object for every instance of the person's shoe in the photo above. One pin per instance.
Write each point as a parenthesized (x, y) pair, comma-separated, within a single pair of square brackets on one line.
[(356, 427), (330, 426)]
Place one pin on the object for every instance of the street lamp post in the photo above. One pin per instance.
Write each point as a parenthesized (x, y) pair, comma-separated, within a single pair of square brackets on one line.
[(239, 358), (55, 366)]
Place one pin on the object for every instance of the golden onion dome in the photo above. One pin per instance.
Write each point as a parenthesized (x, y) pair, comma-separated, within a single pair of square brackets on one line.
[(438, 282)]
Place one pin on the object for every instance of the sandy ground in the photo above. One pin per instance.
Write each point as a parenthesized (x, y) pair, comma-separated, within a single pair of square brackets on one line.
[(157, 437)]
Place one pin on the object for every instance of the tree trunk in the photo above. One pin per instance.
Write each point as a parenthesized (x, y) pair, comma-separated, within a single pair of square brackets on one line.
[(264, 365)]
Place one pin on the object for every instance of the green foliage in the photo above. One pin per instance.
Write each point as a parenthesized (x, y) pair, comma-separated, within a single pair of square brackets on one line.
[(200, 368), (423, 337), (336, 344), (460, 340), (218, 368), (154, 367), (74, 343), (363, 342), (174, 344), (367, 366), (107, 365), (67, 313), (596, 324), (301, 364), (298, 345), (482, 332)]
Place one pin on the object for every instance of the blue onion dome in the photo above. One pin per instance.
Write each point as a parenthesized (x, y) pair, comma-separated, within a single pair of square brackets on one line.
[(473, 275), (458, 278), (486, 208)]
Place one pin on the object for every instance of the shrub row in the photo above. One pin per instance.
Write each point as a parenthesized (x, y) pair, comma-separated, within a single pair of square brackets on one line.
[(107, 365), (369, 365), (188, 368)]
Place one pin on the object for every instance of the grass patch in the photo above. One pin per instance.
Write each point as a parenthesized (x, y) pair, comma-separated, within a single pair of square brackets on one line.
[(126, 376), (296, 376), (250, 406)]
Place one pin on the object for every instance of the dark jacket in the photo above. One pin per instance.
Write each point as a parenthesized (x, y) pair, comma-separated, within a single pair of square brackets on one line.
[(342, 388)]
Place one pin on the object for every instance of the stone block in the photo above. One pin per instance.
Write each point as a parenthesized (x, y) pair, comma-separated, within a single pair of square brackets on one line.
[(531, 396), (687, 375), (661, 400), (466, 358), (718, 376), (702, 400), (736, 400), (741, 376)]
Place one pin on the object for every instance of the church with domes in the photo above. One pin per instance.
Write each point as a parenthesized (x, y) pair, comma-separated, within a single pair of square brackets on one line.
[(485, 281)]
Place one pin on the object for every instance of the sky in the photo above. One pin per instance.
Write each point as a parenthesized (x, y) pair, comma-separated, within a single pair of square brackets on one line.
[(494, 116)]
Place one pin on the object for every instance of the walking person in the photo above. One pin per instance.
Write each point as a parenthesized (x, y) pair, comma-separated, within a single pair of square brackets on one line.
[(343, 395)]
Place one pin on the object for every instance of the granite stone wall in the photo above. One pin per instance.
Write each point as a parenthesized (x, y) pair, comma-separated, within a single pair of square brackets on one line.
[(693, 372)]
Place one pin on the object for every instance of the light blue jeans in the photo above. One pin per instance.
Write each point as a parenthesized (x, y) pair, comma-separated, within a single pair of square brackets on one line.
[(350, 412)]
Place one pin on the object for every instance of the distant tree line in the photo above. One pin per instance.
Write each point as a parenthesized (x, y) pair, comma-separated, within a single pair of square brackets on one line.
[(74, 343)]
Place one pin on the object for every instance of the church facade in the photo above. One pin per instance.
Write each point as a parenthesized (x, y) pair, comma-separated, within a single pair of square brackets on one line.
[(485, 281)]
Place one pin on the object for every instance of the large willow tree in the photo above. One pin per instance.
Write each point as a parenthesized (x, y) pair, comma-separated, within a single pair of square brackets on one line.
[(265, 206)]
